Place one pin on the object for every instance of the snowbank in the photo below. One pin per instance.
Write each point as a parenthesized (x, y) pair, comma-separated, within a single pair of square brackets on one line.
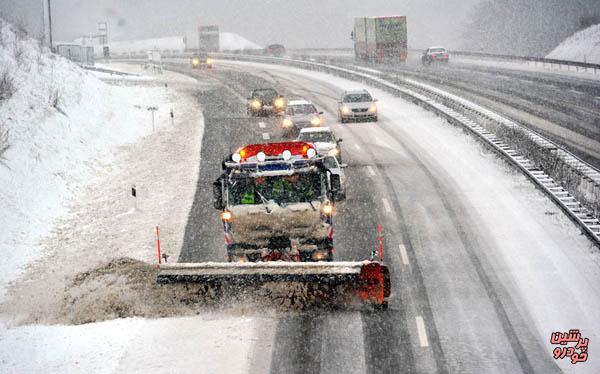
[(232, 41), (228, 41), (201, 344), (63, 126), (582, 46)]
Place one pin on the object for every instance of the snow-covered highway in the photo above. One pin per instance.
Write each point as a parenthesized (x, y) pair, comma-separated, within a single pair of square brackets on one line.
[(484, 267)]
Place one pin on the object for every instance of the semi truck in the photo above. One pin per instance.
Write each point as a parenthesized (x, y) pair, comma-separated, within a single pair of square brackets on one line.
[(380, 39), (208, 38)]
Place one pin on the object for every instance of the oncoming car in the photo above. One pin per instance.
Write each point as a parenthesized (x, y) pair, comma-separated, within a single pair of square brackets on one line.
[(435, 54), (357, 105), (265, 101), (201, 60), (298, 115), (324, 140)]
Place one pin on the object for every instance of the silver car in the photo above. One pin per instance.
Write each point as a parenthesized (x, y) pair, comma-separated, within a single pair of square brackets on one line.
[(298, 115), (323, 139), (356, 106)]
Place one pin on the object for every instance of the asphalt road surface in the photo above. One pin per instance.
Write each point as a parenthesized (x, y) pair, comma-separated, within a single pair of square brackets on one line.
[(448, 313), (564, 108)]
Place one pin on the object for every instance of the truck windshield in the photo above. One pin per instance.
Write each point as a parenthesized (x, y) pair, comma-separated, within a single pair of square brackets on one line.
[(296, 188)]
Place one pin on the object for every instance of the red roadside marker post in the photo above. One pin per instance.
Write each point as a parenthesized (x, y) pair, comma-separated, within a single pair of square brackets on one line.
[(158, 245), (380, 231)]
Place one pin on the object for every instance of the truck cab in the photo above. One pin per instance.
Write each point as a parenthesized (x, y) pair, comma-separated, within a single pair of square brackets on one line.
[(277, 202)]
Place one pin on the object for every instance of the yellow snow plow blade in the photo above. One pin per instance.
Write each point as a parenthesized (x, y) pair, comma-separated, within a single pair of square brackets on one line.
[(366, 280)]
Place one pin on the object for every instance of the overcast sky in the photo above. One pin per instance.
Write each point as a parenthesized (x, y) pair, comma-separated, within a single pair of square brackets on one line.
[(294, 23)]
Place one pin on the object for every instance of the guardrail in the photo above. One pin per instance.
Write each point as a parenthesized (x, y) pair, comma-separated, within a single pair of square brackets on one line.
[(333, 52), (108, 71), (542, 60)]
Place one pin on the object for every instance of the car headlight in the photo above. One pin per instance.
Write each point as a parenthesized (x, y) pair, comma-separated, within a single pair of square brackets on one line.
[(279, 103), (256, 104), (209, 61), (287, 122), (195, 61), (334, 152), (345, 110), (373, 108), (315, 121)]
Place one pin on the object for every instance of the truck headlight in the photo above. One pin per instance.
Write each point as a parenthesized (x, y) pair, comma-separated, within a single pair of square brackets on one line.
[(327, 209), (256, 104), (279, 103), (334, 152), (345, 110), (315, 121), (287, 122), (226, 216), (195, 62), (373, 108), (209, 61)]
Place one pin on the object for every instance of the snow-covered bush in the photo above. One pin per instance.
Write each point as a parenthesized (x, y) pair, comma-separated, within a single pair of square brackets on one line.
[(7, 87), (4, 144)]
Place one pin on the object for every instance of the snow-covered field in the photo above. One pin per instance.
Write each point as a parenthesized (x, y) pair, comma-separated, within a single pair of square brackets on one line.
[(202, 344), (582, 46)]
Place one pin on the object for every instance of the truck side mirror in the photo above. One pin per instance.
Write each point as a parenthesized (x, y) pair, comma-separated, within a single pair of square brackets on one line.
[(336, 187), (218, 195)]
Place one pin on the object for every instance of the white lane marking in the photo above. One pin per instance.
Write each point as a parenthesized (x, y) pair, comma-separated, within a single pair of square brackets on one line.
[(403, 254), (262, 125), (371, 171), (266, 136), (386, 205), (421, 331), (357, 147)]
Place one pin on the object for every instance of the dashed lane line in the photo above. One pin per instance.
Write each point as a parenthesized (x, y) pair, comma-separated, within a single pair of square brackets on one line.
[(403, 254), (386, 205), (421, 331), (262, 125), (266, 136), (371, 171)]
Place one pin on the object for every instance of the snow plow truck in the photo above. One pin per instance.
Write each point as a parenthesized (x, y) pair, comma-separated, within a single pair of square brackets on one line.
[(277, 203)]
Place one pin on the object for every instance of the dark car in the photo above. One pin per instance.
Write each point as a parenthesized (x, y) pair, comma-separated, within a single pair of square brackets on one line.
[(265, 101), (275, 50), (200, 60), (435, 54)]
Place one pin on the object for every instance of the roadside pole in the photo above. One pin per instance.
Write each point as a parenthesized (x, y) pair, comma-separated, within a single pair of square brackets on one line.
[(152, 109)]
